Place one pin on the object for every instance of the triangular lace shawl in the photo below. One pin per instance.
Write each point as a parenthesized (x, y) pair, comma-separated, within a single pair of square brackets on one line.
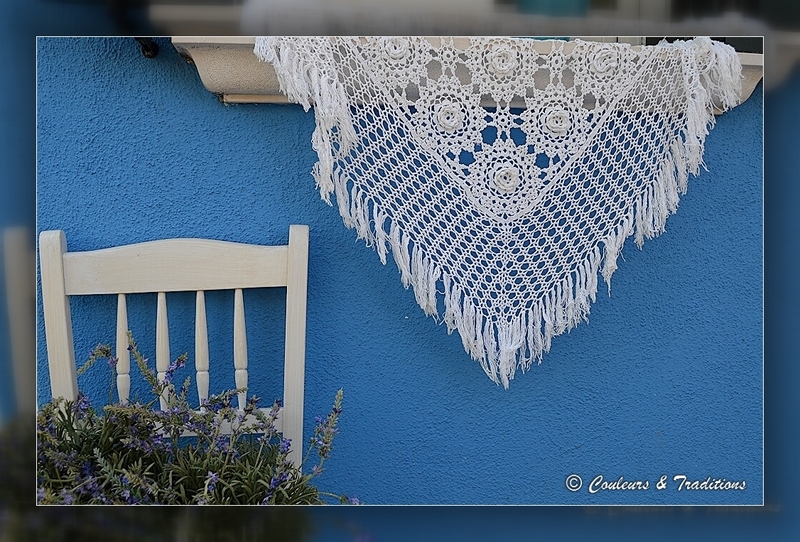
[(506, 173)]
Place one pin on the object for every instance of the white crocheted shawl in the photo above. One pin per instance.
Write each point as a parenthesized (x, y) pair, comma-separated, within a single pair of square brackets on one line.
[(505, 173)]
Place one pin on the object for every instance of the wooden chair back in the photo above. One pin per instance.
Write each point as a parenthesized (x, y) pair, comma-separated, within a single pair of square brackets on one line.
[(178, 265)]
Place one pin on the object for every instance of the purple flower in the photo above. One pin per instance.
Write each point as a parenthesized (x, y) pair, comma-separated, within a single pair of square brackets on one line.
[(274, 411), (285, 445), (174, 366), (197, 426), (62, 460), (277, 480), (67, 497), (222, 443), (81, 404), (160, 443), (326, 429), (353, 500), (211, 481)]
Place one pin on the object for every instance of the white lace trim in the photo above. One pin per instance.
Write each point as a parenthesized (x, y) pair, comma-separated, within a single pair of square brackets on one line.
[(508, 176)]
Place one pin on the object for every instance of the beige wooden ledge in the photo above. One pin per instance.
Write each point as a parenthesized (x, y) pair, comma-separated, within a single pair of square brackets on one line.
[(229, 68)]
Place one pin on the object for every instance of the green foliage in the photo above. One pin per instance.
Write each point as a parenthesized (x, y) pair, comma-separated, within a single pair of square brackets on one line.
[(136, 454)]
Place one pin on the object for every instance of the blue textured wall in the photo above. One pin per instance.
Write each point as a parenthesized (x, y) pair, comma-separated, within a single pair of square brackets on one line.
[(20, 22), (666, 378)]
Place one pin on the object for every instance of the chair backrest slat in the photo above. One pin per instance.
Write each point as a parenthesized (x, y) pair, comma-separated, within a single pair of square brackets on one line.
[(201, 357), (123, 354), (162, 344), (240, 346), (174, 265)]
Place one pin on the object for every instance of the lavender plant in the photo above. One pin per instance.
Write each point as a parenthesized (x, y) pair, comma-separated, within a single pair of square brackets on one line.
[(136, 454)]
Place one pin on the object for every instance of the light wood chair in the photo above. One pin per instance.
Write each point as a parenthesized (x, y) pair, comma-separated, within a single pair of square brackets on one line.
[(178, 265)]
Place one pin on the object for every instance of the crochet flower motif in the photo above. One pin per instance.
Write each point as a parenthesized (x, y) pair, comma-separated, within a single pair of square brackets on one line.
[(601, 72), (502, 60), (500, 69), (556, 121), (395, 48), (503, 182), (605, 62), (449, 119), (449, 116), (551, 126), (506, 179), (395, 61)]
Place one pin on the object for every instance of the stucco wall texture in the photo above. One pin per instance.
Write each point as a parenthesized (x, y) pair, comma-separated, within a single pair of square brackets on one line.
[(664, 379)]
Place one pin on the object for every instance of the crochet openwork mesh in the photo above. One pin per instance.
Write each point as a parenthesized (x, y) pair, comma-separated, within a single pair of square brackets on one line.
[(506, 173)]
